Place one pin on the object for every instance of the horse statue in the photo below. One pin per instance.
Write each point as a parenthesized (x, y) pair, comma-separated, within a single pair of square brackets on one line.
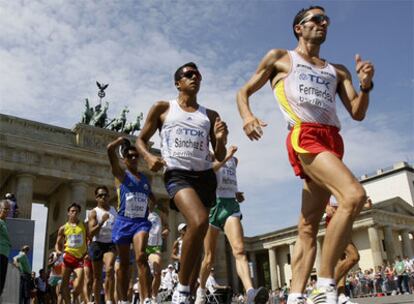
[(99, 116), (136, 126), (87, 115), (118, 124)]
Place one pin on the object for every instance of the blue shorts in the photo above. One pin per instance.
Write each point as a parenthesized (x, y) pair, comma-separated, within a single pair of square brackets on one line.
[(124, 229)]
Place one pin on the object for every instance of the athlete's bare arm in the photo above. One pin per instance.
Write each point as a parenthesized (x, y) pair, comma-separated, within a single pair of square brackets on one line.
[(218, 135), (154, 121), (356, 104), (165, 225), (274, 66), (59, 247), (174, 253), (230, 152), (117, 171), (93, 226)]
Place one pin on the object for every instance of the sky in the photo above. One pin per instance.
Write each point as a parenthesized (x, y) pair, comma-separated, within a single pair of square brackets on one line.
[(52, 52)]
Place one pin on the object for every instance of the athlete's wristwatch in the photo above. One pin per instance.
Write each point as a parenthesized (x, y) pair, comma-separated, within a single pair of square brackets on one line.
[(366, 90)]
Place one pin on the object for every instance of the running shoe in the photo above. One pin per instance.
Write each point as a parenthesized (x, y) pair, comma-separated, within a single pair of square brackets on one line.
[(180, 297), (201, 297), (323, 295), (261, 296), (343, 299)]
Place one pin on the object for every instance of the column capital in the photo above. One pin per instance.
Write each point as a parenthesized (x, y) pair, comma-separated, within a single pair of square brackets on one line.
[(25, 175)]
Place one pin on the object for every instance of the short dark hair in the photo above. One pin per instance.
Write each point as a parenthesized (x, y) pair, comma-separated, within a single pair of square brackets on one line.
[(178, 74), (103, 187), (299, 16), (75, 205)]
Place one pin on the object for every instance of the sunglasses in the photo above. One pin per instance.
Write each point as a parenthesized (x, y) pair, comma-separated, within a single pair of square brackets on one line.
[(132, 156), (102, 195), (190, 74), (319, 18)]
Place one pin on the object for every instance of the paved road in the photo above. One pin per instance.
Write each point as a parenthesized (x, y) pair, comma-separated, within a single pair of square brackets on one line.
[(403, 299)]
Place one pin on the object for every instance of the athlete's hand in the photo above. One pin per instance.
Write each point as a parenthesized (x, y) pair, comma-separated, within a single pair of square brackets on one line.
[(240, 197), (105, 217), (252, 126), (220, 129), (155, 163), (165, 232), (232, 150), (365, 71)]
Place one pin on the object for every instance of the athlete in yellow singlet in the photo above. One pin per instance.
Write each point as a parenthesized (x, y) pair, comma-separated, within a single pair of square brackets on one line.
[(71, 242)]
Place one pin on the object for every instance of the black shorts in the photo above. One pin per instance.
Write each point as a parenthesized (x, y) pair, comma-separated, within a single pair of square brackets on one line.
[(98, 249), (203, 182)]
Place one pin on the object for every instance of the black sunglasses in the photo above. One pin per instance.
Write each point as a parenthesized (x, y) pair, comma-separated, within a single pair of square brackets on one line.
[(102, 195), (190, 74), (132, 156), (319, 18)]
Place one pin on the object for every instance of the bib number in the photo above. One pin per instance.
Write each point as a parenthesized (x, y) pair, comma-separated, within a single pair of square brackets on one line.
[(135, 205)]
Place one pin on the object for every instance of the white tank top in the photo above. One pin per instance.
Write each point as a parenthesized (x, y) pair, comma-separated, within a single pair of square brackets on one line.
[(185, 139), (155, 236), (227, 179), (307, 93), (105, 233)]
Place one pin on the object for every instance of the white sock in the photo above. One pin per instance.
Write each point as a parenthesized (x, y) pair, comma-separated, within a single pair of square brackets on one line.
[(108, 302), (325, 282), (183, 288), (201, 290)]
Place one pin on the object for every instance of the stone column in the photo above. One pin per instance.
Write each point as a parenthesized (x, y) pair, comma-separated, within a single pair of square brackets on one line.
[(78, 195), (389, 243), (407, 248), (24, 194), (252, 259), (273, 268), (291, 250), (375, 245)]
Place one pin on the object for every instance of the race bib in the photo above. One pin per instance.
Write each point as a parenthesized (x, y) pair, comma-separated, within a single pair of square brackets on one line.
[(135, 204), (75, 240)]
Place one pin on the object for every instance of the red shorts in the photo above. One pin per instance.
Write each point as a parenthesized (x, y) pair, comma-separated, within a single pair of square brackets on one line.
[(312, 138), (87, 263), (71, 261)]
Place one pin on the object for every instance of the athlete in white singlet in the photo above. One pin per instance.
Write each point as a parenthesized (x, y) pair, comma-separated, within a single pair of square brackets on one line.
[(102, 250), (305, 86), (226, 216), (187, 129), (159, 231)]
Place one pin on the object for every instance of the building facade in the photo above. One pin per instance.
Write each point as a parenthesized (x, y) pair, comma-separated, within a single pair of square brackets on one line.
[(380, 233)]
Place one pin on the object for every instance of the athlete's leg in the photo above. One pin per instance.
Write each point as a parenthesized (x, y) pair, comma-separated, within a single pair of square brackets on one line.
[(97, 279), (87, 284), (78, 283), (140, 243), (194, 275), (210, 242), (155, 260), (123, 271), (64, 286), (314, 200), (345, 265), (329, 171), (234, 232), (196, 216), (109, 261)]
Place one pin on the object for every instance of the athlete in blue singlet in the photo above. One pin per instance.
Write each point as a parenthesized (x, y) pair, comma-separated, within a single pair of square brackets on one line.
[(131, 224)]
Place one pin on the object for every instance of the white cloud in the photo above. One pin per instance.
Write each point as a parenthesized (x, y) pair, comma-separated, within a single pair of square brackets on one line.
[(53, 52)]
